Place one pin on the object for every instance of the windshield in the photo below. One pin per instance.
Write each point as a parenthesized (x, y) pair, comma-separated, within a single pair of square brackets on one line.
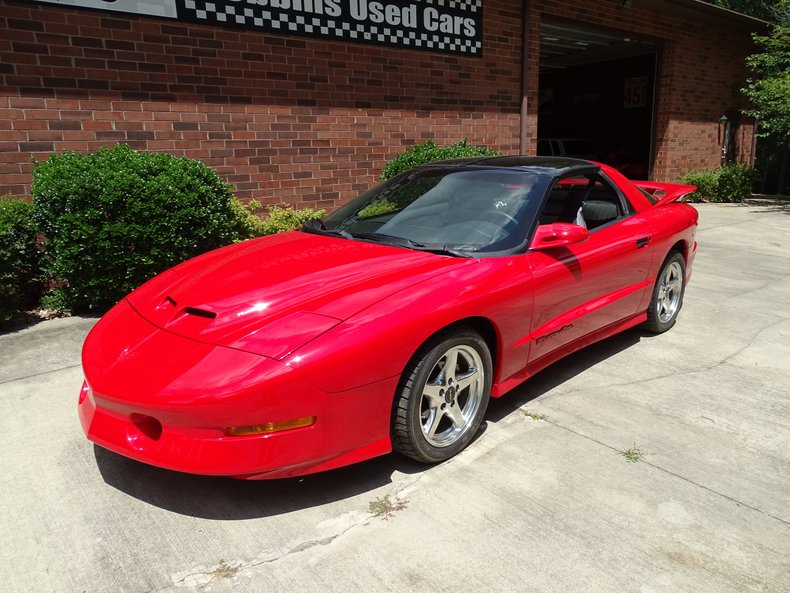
[(479, 210)]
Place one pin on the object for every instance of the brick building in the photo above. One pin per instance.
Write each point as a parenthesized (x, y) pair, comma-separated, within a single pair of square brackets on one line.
[(311, 116)]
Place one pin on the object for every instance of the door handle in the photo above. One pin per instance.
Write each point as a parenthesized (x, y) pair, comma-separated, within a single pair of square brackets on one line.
[(642, 242)]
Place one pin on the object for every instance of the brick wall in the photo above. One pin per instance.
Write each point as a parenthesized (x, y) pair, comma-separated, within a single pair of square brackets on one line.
[(701, 80), (284, 119), (308, 121)]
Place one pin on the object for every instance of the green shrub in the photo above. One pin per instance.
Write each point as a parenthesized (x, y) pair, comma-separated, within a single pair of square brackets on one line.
[(731, 182), (20, 271), (735, 182), (279, 218), (428, 151), (706, 183), (54, 301), (116, 217)]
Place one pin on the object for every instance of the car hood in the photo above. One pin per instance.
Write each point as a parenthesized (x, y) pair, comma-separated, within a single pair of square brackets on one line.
[(272, 295)]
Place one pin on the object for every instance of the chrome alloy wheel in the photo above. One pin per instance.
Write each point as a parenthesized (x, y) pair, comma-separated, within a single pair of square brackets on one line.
[(451, 396), (670, 290)]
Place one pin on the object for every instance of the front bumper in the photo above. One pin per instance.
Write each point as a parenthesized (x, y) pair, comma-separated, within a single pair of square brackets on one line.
[(167, 400)]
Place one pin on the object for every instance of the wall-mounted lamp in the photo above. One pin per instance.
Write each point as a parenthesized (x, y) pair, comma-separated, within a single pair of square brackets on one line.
[(723, 133)]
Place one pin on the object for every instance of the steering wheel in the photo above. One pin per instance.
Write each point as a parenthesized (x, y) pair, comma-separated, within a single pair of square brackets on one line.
[(504, 215), (489, 230)]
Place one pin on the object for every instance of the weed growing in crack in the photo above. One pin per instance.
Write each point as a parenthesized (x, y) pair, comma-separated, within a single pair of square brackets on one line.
[(633, 454), (223, 571), (534, 415), (385, 508)]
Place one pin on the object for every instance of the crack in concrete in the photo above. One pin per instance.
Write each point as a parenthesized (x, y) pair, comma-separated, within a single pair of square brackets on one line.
[(756, 289), (674, 474), (743, 348), (201, 578), (773, 314), (706, 369), (678, 373), (73, 366)]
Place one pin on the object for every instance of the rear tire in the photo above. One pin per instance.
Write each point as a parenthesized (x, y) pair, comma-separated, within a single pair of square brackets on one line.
[(438, 409), (667, 294)]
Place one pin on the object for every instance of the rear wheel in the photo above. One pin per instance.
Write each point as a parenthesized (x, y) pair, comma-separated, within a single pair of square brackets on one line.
[(442, 396), (667, 294)]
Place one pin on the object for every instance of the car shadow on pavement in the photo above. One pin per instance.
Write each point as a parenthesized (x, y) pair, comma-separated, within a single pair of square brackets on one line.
[(559, 372), (227, 499)]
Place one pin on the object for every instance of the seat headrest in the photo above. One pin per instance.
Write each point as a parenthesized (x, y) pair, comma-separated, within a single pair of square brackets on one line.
[(599, 211)]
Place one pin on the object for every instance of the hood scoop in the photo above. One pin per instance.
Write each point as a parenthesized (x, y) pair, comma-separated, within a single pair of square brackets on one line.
[(169, 302), (175, 316), (200, 312)]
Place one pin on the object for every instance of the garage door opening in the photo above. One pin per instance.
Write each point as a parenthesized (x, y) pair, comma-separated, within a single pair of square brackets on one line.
[(597, 97)]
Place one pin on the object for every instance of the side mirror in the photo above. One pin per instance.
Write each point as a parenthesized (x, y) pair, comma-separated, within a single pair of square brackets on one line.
[(557, 234)]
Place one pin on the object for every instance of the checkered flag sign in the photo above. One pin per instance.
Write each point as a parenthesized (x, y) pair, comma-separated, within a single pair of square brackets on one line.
[(453, 26), (162, 8)]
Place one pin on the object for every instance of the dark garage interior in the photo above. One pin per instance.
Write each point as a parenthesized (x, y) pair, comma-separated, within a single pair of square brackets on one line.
[(596, 94)]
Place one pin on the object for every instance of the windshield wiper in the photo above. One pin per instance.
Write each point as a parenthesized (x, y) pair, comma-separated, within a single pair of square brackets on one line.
[(382, 238), (409, 244), (440, 250), (314, 225)]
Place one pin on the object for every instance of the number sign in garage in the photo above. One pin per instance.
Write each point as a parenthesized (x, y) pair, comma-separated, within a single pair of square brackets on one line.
[(452, 26), (635, 92)]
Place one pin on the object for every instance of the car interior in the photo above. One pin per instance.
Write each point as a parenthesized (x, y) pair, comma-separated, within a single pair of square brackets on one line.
[(590, 201)]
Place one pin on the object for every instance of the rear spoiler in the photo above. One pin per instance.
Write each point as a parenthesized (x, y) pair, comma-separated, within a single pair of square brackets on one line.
[(665, 192)]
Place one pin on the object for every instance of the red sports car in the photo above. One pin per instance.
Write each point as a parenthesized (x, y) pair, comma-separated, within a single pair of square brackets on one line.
[(389, 324)]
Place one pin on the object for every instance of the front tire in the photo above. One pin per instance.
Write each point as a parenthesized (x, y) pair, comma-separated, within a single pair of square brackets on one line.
[(442, 396), (667, 294)]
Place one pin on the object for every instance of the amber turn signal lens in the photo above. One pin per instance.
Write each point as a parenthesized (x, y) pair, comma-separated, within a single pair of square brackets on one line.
[(270, 427)]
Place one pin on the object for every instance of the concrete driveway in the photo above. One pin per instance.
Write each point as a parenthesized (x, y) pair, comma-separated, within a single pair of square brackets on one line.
[(543, 501)]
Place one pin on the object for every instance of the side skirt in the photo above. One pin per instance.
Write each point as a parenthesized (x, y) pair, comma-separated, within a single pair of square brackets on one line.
[(500, 389)]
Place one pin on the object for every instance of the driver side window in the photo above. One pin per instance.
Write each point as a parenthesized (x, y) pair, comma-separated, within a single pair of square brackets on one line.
[(587, 200)]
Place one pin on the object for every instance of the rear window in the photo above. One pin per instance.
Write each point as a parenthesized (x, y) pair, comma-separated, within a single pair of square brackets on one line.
[(650, 197)]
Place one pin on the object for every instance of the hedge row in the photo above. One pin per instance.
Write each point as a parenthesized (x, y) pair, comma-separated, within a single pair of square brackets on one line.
[(731, 182), (20, 258)]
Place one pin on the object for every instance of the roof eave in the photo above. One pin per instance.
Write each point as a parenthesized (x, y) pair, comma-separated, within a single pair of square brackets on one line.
[(721, 12)]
